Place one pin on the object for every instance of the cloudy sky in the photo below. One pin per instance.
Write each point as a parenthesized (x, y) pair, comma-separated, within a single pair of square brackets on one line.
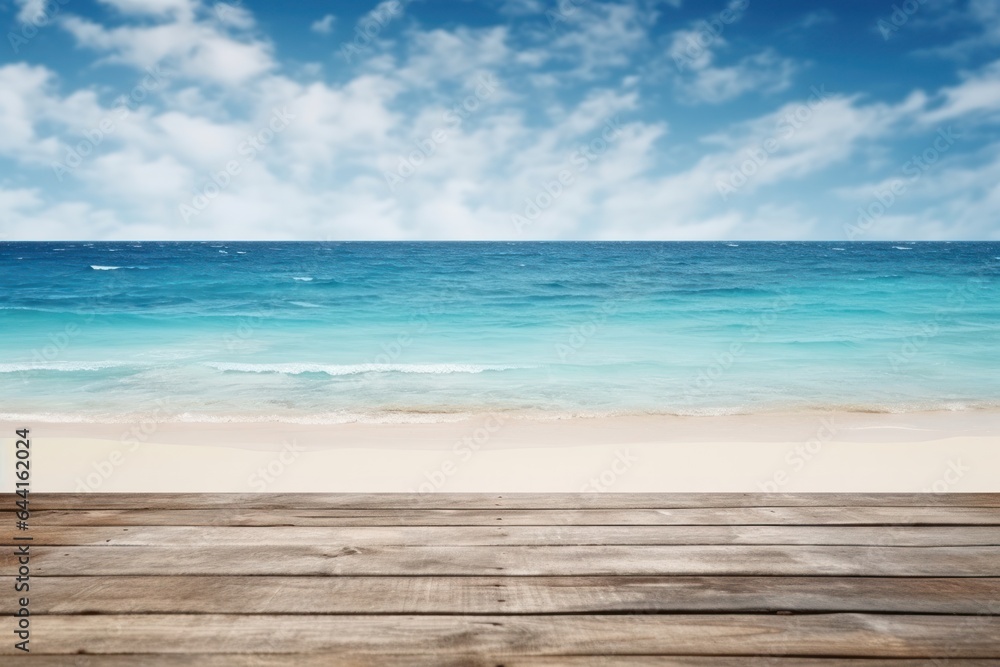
[(516, 119)]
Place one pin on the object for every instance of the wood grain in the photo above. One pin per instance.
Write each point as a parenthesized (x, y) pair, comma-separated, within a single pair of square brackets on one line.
[(514, 561), (829, 635), (521, 580), (507, 595), (342, 659), (742, 516), (548, 501), (514, 535)]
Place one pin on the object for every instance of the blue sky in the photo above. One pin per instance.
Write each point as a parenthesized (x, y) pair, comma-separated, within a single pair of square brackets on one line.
[(519, 119)]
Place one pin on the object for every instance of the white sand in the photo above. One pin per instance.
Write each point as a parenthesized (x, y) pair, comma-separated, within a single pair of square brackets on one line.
[(929, 452)]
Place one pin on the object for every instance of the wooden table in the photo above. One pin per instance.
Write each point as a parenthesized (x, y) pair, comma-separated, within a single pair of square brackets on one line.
[(512, 580)]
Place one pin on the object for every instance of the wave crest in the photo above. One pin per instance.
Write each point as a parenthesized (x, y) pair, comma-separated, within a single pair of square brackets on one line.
[(65, 366), (356, 369)]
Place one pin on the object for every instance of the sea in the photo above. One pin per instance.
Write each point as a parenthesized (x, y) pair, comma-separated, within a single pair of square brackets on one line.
[(335, 332)]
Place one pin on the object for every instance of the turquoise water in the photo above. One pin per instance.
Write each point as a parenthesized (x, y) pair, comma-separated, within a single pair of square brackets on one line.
[(333, 332)]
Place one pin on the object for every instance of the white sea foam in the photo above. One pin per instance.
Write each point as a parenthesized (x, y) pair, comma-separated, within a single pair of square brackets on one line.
[(196, 418), (329, 418), (66, 366), (53, 418), (901, 247), (305, 304), (97, 267), (356, 369), (304, 279)]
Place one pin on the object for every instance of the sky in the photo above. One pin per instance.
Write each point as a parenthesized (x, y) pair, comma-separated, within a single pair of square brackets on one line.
[(503, 119)]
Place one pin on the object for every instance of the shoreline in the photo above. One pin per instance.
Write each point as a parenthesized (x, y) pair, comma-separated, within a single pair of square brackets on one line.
[(802, 452)]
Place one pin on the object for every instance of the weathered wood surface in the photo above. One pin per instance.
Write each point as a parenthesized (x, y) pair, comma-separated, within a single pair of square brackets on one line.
[(417, 660), (507, 595), (514, 561), (830, 635), (519, 580), (726, 516), (147, 536), (547, 501)]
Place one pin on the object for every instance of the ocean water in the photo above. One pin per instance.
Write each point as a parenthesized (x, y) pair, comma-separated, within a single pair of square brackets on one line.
[(340, 332)]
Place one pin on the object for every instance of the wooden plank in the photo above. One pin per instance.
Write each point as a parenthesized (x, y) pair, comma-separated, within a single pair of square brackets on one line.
[(514, 535), (506, 595), (514, 561), (507, 501), (461, 517), (500, 660), (829, 635)]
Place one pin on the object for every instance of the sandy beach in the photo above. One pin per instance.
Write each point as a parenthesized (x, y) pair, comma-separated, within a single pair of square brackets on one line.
[(830, 452)]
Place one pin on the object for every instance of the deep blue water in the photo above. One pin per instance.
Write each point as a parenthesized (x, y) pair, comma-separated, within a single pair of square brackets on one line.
[(404, 331)]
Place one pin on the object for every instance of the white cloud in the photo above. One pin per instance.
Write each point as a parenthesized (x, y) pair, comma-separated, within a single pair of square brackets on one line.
[(443, 56), (25, 95), (153, 7), (323, 26), (30, 10), (979, 92), (324, 175), (983, 16), (693, 53), (813, 19), (201, 49), (765, 72), (595, 37)]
